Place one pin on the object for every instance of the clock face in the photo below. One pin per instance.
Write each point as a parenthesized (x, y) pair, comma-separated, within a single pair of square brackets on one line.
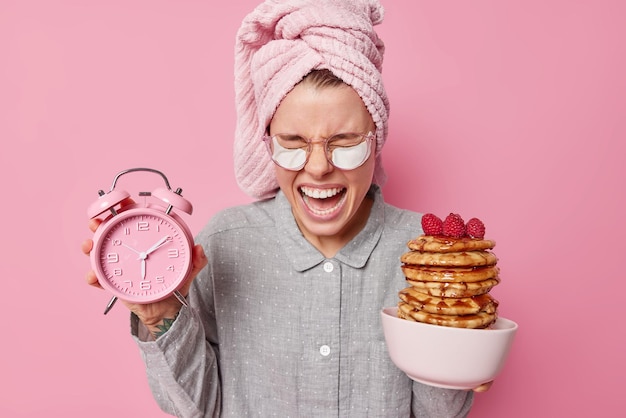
[(142, 255)]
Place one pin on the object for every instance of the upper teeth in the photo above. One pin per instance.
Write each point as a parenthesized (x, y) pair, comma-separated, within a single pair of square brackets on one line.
[(320, 193)]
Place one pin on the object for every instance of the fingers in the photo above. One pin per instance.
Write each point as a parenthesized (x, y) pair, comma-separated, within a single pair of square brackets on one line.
[(92, 280), (199, 261), (86, 246), (94, 223), (484, 387), (126, 202)]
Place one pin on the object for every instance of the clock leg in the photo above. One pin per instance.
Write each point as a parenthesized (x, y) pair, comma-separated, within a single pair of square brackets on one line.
[(110, 304), (180, 298)]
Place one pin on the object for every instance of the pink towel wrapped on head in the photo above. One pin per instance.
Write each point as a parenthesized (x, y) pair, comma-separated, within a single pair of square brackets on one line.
[(278, 44)]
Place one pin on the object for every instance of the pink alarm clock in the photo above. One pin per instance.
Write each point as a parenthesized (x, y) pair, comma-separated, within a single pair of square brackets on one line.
[(141, 251)]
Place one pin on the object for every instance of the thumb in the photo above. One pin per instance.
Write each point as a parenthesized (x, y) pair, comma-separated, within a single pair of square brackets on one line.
[(199, 261)]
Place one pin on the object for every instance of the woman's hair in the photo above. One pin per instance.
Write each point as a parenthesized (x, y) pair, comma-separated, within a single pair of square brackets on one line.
[(323, 78)]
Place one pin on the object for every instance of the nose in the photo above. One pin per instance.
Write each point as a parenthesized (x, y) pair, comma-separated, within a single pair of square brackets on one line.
[(318, 164)]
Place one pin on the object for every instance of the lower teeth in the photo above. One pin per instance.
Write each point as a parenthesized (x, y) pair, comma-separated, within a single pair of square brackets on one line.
[(322, 212)]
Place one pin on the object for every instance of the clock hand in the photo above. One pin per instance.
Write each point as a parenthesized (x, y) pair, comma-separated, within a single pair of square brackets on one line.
[(143, 268), (158, 244), (144, 255), (130, 248)]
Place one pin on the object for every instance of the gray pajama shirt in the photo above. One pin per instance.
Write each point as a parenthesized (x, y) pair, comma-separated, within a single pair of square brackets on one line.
[(276, 329)]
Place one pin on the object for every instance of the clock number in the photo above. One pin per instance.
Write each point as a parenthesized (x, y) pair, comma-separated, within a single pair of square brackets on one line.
[(113, 257), (129, 283), (160, 279), (170, 268), (143, 226), (172, 253), (127, 231), (145, 285), (117, 272), (116, 242)]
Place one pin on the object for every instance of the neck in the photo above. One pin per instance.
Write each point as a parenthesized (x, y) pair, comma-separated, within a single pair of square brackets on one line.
[(329, 246)]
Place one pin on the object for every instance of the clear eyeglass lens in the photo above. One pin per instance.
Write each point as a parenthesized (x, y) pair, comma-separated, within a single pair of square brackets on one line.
[(286, 156), (350, 157), (345, 151)]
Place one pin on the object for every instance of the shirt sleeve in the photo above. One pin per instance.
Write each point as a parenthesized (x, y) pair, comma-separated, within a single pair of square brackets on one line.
[(431, 401), (181, 367)]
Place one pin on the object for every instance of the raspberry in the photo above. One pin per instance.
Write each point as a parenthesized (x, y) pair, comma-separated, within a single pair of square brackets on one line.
[(454, 226), (432, 225), (475, 228)]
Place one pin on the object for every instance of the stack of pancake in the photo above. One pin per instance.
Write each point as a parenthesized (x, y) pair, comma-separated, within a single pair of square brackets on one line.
[(450, 279)]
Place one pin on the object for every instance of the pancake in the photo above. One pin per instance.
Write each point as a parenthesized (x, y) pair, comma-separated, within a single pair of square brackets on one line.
[(456, 259), (450, 270), (454, 289), (479, 320), (441, 244), (448, 306), (447, 274)]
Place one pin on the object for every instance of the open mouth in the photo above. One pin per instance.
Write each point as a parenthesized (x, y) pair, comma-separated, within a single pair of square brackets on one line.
[(323, 202)]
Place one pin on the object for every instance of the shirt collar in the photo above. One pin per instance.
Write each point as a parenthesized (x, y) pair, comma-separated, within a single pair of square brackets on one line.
[(303, 255)]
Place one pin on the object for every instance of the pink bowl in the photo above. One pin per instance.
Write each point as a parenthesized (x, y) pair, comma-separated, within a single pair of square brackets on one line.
[(454, 358)]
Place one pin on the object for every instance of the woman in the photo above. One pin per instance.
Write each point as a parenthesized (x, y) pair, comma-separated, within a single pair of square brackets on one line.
[(283, 315)]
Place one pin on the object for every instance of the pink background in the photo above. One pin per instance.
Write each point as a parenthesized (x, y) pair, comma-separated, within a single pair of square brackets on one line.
[(507, 110)]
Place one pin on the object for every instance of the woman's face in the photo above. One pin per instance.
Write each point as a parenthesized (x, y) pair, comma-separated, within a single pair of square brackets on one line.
[(328, 204)]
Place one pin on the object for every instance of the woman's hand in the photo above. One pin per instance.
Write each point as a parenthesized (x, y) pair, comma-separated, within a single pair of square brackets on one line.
[(483, 388), (158, 316)]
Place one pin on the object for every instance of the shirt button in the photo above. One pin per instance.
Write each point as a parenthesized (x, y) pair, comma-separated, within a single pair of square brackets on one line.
[(328, 267), (324, 350)]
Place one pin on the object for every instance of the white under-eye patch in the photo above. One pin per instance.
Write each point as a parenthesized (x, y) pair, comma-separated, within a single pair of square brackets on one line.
[(288, 158), (351, 157)]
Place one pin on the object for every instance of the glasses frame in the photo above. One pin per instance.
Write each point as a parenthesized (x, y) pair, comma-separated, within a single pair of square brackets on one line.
[(369, 136)]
